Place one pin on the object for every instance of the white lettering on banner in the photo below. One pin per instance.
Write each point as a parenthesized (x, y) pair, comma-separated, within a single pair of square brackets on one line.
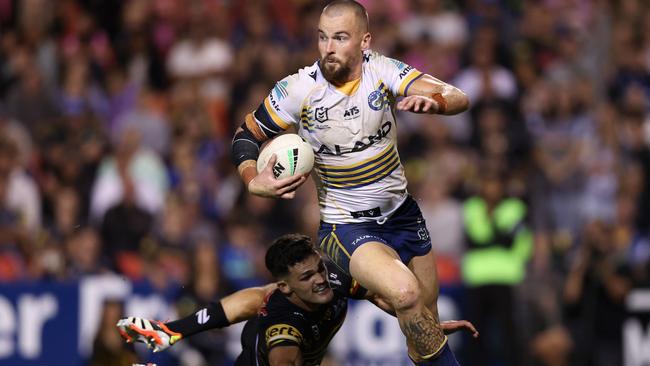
[(636, 343), (7, 328), (33, 312), (636, 340), (93, 292), (638, 300)]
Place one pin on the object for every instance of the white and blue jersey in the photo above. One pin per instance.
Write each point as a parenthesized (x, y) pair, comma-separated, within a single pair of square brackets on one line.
[(353, 133)]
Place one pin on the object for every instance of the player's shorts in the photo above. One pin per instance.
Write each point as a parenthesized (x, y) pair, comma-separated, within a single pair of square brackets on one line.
[(405, 231)]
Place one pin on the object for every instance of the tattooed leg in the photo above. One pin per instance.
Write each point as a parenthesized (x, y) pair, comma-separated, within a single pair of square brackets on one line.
[(423, 333)]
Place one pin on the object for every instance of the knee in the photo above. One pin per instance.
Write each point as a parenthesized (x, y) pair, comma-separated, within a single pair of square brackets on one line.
[(406, 296)]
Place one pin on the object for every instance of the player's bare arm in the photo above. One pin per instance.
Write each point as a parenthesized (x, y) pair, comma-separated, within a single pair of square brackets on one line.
[(430, 95), (158, 336), (244, 304), (285, 356)]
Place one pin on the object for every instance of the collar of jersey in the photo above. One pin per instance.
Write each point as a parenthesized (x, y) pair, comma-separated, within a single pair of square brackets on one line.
[(350, 87)]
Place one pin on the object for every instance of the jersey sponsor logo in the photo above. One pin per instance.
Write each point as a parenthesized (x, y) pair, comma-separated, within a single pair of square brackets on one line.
[(278, 169), (202, 316), (279, 332), (314, 328), (351, 113), (280, 89), (359, 145), (313, 75), (364, 238), (274, 103), (321, 114), (405, 72), (366, 57), (373, 212)]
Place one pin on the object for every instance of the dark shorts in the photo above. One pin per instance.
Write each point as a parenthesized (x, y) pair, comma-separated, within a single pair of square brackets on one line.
[(405, 231)]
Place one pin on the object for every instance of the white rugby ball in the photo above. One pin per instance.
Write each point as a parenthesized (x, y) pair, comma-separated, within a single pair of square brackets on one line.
[(295, 156)]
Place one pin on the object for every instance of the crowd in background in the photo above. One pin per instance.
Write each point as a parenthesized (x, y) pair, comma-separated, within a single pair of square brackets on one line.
[(116, 119)]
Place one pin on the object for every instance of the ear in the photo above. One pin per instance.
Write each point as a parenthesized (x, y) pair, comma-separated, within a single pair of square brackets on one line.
[(284, 287), (365, 41)]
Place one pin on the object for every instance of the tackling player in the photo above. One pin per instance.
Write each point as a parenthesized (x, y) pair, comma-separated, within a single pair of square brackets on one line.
[(343, 105), (297, 316)]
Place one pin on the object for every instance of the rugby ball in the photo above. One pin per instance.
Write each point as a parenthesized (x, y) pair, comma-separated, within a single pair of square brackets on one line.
[(295, 156)]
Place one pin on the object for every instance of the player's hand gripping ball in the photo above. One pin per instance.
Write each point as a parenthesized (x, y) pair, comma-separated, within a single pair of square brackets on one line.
[(294, 156)]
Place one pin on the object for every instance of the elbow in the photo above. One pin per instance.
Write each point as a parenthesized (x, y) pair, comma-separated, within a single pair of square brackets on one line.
[(461, 102), (464, 101)]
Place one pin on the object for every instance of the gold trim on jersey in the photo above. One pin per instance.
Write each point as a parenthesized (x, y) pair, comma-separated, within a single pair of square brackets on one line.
[(350, 87), (274, 116), (405, 83), (282, 332), (362, 173), (307, 118)]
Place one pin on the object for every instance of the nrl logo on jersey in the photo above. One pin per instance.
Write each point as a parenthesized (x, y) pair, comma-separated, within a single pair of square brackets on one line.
[(321, 114)]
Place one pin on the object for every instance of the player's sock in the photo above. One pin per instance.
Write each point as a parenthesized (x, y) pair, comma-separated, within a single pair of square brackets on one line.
[(444, 357), (210, 317)]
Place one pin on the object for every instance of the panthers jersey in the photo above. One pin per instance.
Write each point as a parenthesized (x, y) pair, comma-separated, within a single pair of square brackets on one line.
[(353, 133), (282, 323)]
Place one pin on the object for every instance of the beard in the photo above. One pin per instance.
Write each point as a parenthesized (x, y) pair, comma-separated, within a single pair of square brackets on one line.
[(336, 73)]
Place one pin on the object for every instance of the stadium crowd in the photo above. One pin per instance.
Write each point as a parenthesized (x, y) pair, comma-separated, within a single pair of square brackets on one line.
[(117, 119)]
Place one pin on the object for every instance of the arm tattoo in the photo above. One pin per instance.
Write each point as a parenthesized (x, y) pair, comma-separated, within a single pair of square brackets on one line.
[(424, 332)]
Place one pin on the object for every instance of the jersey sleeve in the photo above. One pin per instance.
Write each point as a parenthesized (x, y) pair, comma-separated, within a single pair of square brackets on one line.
[(343, 283), (396, 74), (282, 331), (282, 106)]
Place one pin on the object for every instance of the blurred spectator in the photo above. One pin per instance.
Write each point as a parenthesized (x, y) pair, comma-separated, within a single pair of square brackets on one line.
[(202, 289), (499, 246), (149, 119), (241, 256), (16, 132), (559, 127), (21, 193), (84, 254), (133, 167), (108, 348), (594, 292)]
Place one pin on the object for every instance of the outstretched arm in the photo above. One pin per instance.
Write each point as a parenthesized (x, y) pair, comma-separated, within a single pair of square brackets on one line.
[(430, 95), (239, 306)]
